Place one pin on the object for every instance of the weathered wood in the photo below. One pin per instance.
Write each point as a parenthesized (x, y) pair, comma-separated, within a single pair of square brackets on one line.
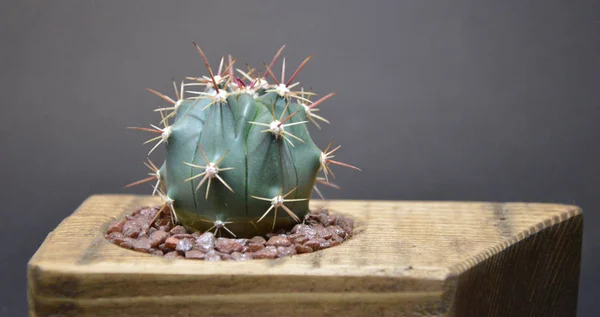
[(406, 259)]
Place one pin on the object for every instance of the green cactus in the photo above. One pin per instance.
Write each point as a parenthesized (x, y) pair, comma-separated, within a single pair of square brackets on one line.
[(239, 156)]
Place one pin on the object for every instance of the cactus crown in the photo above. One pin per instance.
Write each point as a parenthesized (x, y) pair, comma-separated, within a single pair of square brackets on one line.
[(238, 151)]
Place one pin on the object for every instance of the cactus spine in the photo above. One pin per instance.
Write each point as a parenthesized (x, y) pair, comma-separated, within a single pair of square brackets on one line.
[(239, 156)]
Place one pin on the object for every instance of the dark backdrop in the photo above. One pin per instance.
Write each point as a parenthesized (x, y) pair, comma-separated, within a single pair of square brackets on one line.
[(437, 100)]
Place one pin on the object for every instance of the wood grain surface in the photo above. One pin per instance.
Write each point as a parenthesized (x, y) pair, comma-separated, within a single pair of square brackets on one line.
[(405, 259)]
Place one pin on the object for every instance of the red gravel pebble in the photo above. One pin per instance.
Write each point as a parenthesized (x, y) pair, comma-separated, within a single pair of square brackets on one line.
[(206, 241), (303, 249), (132, 228), (184, 245), (228, 246), (321, 216), (212, 256), (242, 242), (326, 219), (163, 224), (194, 254), (315, 244), (115, 226), (325, 244), (239, 256), (148, 212), (346, 224), (224, 256), (126, 245), (337, 230), (285, 251), (116, 237), (157, 237), (142, 244), (173, 255), (253, 247), (171, 242), (269, 252), (322, 231), (183, 236), (178, 230), (297, 238), (305, 230), (258, 240), (319, 230), (279, 241), (333, 243)]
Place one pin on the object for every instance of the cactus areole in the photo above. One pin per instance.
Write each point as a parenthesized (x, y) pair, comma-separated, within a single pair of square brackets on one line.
[(239, 156)]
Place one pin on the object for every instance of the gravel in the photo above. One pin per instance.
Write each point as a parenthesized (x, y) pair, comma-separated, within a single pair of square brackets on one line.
[(320, 230)]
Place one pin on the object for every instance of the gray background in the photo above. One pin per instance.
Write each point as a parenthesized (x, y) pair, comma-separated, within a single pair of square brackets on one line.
[(437, 100)]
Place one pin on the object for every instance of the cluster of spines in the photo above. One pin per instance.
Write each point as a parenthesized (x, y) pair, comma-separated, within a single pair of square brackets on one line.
[(217, 88)]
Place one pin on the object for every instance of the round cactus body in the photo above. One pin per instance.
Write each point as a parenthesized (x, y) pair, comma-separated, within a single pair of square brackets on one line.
[(239, 158)]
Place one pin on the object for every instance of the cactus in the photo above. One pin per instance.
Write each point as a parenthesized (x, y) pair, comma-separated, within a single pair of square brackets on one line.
[(239, 156)]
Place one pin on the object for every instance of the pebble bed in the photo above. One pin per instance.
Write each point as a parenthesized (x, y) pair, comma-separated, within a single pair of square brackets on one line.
[(319, 230)]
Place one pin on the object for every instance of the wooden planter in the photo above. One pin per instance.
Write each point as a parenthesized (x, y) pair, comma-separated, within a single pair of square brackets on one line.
[(405, 259)]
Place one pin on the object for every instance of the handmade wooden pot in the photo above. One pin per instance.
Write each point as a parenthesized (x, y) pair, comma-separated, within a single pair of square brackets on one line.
[(405, 259)]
